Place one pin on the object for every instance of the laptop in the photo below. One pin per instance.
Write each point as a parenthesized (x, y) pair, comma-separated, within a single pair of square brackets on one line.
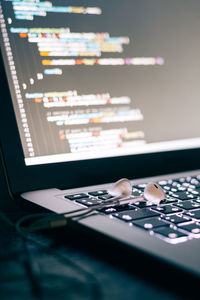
[(96, 91)]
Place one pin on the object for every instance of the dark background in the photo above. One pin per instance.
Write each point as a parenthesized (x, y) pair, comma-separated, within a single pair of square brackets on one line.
[(118, 276)]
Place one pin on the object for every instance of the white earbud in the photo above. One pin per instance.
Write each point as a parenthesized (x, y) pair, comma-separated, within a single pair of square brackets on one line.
[(154, 193), (122, 189)]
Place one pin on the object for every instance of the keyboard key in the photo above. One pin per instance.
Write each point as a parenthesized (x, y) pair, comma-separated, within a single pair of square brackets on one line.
[(169, 181), (124, 207), (188, 178), (162, 182), (144, 204), (98, 193), (194, 214), (192, 228), (89, 201), (182, 188), (136, 193), (170, 199), (108, 210), (195, 182), (175, 183), (105, 197), (140, 186), (187, 205), (166, 188), (183, 195), (182, 179), (194, 192), (169, 233), (176, 219), (197, 200), (186, 184), (118, 208), (150, 223), (174, 190), (191, 186), (167, 209), (135, 214), (76, 196)]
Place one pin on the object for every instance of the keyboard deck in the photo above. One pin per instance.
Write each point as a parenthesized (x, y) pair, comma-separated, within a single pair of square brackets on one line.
[(176, 220)]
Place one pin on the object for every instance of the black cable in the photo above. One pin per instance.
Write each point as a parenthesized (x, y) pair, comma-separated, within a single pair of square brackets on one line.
[(6, 219), (95, 288), (34, 281), (26, 260), (96, 291), (5, 170), (57, 220)]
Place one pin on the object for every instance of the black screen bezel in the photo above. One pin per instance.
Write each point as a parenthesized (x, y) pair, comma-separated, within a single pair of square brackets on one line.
[(78, 173)]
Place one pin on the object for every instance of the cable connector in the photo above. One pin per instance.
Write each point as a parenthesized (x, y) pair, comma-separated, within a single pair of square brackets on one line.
[(58, 223)]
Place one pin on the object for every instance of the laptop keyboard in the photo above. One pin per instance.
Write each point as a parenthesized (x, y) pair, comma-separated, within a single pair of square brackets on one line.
[(175, 221)]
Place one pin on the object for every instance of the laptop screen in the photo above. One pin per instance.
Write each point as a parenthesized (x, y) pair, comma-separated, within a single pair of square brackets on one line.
[(93, 79)]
